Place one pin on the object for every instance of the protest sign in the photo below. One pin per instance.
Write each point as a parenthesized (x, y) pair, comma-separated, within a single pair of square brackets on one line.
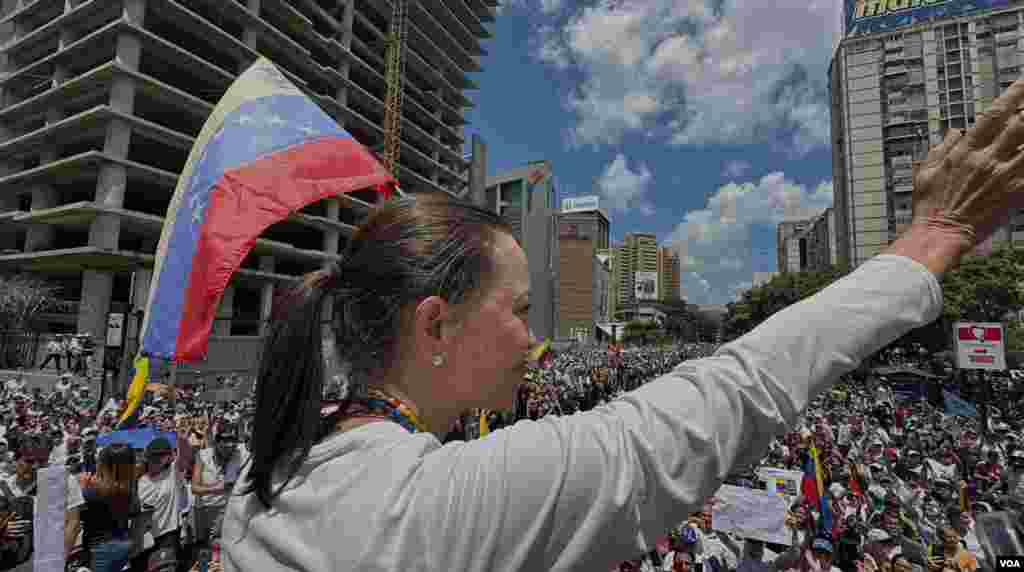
[(751, 513), (781, 482), (48, 528)]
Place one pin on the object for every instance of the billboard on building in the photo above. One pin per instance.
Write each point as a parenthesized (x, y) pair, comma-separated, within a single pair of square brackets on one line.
[(979, 345), (646, 286), (578, 204), (871, 16)]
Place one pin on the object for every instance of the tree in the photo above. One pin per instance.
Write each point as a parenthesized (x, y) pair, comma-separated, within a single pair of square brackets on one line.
[(640, 331), (22, 298), (985, 288), (982, 288), (758, 304)]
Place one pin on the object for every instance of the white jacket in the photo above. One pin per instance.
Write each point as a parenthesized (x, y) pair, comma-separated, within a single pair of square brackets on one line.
[(575, 492)]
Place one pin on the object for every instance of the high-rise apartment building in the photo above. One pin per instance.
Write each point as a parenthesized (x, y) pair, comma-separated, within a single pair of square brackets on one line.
[(638, 253), (904, 74), (807, 245), (786, 248), (611, 261), (581, 294), (668, 274), (525, 199), (100, 102)]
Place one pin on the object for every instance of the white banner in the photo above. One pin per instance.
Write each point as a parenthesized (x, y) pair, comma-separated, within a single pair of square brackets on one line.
[(751, 513), (980, 345), (48, 520)]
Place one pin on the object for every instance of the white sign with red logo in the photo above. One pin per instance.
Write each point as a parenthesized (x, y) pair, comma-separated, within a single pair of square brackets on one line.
[(979, 345)]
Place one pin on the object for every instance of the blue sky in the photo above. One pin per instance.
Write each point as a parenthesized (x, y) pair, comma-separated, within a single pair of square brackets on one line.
[(703, 121)]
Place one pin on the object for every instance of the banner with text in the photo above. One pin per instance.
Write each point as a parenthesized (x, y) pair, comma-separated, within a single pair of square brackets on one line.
[(751, 513), (979, 345), (872, 16)]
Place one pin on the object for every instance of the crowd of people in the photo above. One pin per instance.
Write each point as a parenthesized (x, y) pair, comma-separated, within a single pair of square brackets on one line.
[(906, 479), (151, 505)]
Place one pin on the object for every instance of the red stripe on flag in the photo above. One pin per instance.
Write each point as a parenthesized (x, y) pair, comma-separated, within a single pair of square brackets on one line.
[(248, 200)]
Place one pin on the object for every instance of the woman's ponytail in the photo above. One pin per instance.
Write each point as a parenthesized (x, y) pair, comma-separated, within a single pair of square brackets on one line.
[(289, 385)]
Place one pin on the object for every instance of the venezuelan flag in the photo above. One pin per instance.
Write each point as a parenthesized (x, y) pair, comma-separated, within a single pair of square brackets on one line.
[(265, 152), (814, 491)]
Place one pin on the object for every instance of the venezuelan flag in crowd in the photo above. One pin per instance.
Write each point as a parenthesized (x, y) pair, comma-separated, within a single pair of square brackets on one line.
[(814, 491), (265, 152)]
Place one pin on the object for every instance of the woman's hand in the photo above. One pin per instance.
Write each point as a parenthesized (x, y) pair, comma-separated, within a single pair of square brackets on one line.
[(968, 185), (974, 178)]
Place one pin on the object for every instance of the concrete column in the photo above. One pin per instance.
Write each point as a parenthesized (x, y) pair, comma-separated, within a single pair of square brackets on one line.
[(92, 313), (249, 35), (40, 236), (129, 51), (135, 11), (8, 202), (478, 172), (332, 238), (106, 228), (225, 311), (122, 97), (140, 295), (348, 15), (110, 187), (266, 294)]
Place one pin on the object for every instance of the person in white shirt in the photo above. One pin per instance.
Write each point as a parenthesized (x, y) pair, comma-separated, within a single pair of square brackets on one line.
[(429, 308), (161, 494), (213, 476)]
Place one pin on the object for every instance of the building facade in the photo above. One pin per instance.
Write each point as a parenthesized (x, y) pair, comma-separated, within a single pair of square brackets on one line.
[(786, 248), (808, 245), (762, 278), (638, 253), (525, 199), (894, 95), (100, 102), (582, 275), (669, 275)]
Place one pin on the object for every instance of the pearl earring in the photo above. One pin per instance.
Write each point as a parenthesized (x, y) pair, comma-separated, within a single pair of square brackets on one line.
[(438, 360)]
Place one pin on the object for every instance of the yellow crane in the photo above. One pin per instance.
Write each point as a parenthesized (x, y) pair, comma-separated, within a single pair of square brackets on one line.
[(395, 77)]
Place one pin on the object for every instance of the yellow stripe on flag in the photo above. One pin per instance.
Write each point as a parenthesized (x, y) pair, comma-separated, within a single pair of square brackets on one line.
[(138, 387), (817, 472), (539, 351), (485, 427)]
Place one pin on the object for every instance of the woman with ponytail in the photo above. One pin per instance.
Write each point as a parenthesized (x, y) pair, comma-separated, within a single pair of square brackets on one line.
[(111, 504), (425, 317)]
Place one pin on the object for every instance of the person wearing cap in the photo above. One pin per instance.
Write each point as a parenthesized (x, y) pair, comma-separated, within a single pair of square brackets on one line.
[(161, 494), (213, 476)]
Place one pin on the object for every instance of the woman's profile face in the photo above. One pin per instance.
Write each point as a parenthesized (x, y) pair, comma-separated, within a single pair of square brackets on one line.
[(488, 358)]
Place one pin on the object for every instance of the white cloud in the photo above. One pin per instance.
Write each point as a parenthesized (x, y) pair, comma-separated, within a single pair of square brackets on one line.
[(624, 188), (715, 242), (697, 72), (736, 168)]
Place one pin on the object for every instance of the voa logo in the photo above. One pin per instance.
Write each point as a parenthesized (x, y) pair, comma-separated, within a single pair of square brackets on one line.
[(1010, 562)]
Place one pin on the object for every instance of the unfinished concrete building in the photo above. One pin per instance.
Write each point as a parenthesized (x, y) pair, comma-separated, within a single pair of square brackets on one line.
[(100, 101)]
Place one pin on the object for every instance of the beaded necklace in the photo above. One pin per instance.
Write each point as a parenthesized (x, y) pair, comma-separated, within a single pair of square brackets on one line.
[(377, 405)]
